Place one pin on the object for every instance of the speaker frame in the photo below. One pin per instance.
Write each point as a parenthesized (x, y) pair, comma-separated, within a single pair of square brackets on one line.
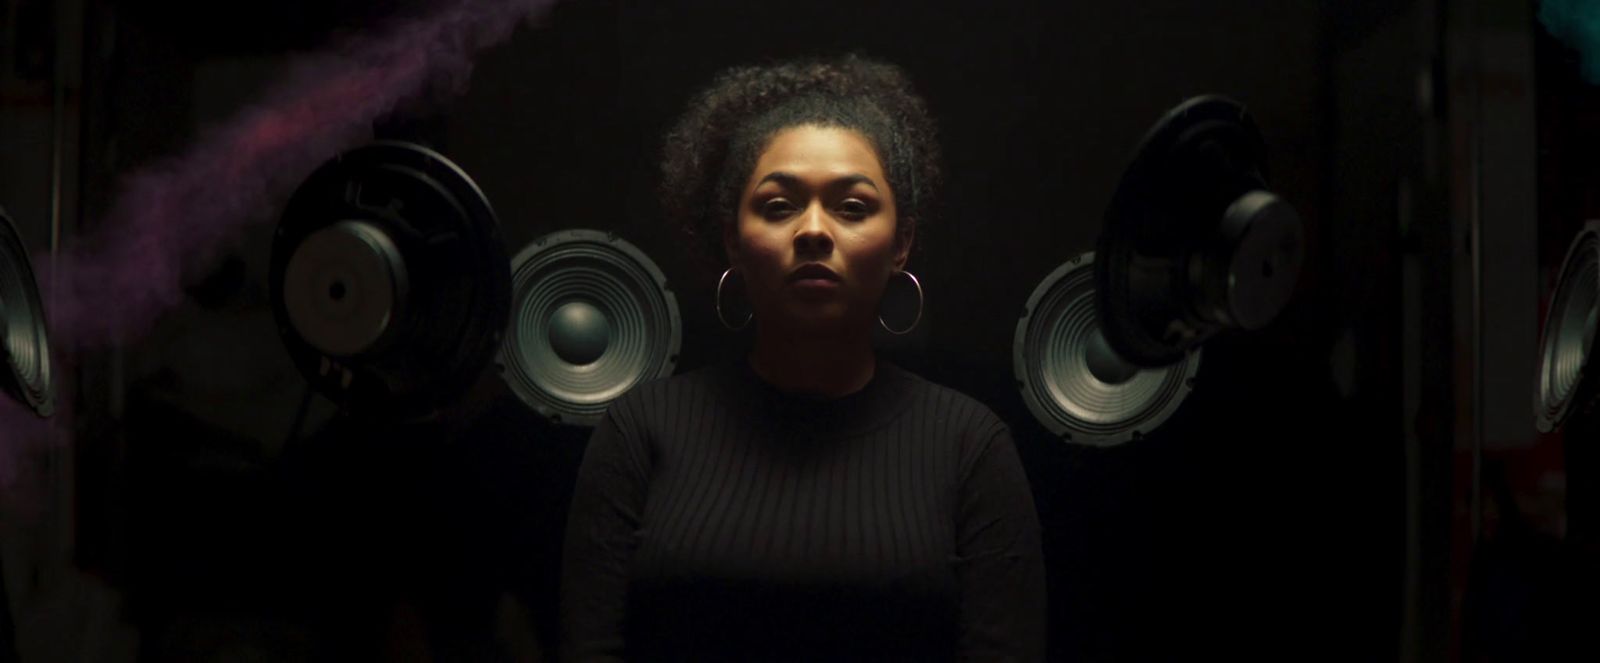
[(38, 395), (1584, 386), (560, 412), (359, 383), (1163, 224), (1049, 414)]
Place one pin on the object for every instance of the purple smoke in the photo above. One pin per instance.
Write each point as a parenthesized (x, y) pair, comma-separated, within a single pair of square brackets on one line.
[(183, 210)]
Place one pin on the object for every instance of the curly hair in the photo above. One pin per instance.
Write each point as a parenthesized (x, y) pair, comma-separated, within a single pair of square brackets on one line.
[(709, 153)]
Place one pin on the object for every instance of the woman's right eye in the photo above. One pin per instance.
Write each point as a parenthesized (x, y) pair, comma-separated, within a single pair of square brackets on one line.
[(777, 208)]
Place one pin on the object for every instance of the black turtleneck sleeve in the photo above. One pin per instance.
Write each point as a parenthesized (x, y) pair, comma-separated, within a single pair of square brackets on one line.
[(717, 518)]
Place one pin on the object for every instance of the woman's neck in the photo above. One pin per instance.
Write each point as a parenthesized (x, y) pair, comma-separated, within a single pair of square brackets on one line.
[(825, 366)]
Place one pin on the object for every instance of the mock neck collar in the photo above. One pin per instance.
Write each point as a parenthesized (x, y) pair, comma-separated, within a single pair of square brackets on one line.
[(872, 405)]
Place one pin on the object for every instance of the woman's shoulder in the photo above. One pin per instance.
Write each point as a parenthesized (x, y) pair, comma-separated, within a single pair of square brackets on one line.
[(648, 393)]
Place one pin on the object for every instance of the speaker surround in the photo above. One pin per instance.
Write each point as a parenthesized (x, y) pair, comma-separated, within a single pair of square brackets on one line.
[(1071, 378), (593, 316), (389, 280), (24, 337), (1565, 376)]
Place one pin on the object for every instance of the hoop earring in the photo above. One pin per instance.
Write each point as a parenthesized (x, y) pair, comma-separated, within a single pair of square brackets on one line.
[(920, 302), (722, 318)]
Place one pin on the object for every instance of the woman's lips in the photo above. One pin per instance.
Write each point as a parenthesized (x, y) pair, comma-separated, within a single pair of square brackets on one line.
[(815, 285), (814, 279)]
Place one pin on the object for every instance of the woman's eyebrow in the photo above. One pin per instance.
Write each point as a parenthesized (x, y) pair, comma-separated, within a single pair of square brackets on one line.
[(782, 178), (790, 179), (855, 178)]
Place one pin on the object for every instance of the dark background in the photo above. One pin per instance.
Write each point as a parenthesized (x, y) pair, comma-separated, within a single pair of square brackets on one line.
[(1312, 499)]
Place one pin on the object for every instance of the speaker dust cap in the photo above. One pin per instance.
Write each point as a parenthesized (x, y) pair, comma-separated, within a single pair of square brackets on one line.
[(592, 317), (1565, 377), (389, 280), (24, 338), (1071, 379), (344, 286), (1194, 243)]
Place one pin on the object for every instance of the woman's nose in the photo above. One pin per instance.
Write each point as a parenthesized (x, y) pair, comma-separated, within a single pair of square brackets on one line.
[(812, 237)]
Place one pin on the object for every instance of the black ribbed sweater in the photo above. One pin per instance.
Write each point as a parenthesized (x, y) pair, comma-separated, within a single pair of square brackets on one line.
[(718, 518)]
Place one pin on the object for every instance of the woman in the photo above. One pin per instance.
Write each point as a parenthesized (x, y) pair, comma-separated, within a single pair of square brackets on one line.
[(809, 501)]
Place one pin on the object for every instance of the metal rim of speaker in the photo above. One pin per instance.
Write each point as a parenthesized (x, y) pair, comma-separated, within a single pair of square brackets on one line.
[(24, 337), (1567, 344), (1193, 242), (389, 279), (1058, 329), (593, 317)]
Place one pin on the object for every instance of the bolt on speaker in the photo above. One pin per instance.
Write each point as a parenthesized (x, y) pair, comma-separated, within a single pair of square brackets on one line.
[(593, 316), (1194, 243), (1565, 379), (1070, 377), (389, 280), (24, 338)]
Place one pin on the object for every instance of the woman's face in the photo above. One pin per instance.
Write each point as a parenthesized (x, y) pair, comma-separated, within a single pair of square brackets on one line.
[(815, 237)]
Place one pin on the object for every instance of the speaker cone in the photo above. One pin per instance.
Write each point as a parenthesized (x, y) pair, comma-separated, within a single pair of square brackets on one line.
[(24, 340), (1564, 376), (1194, 243), (1071, 378), (389, 279), (593, 316)]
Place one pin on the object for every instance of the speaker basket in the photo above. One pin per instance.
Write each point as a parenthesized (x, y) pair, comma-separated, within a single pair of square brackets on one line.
[(1193, 243), (389, 281)]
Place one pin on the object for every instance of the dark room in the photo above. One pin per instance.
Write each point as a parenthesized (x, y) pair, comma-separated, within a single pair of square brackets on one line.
[(730, 330)]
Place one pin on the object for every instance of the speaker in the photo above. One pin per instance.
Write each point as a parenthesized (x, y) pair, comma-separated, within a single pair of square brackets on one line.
[(24, 338), (593, 317), (1193, 242), (1072, 380), (389, 280), (1564, 377)]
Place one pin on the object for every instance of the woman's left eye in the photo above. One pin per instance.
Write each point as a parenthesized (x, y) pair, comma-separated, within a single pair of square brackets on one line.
[(854, 208)]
